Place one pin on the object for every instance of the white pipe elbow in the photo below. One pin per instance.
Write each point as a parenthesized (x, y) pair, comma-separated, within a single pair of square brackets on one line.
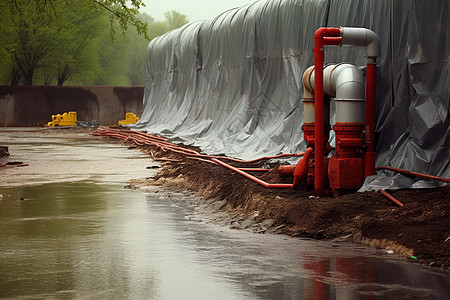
[(347, 82), (362, 37), (308, 87)]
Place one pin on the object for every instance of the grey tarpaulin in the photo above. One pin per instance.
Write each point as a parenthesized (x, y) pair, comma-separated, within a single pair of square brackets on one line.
[(232, 84)]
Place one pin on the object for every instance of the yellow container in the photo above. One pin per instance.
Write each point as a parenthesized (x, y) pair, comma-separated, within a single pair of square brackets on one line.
[(130, 118), (66, 119)]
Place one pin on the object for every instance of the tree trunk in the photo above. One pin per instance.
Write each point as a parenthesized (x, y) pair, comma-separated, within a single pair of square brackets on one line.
[(28, 78), (15, 77)]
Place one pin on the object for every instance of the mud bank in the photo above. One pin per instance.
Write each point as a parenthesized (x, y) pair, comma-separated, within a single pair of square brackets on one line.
[(420, 229)]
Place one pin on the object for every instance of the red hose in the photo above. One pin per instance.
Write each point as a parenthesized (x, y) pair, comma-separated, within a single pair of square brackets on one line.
[(147, 139), (384, 193), (253, 170), (141, 139), (253, 178), (412, 173)]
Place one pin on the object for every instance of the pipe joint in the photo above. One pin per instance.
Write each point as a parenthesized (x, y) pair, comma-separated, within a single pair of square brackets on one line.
[(308, 85), (348, 82), (327, 32), (362, 37)]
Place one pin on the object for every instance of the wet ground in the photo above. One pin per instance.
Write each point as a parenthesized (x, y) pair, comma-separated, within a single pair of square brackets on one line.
[(69, 229)]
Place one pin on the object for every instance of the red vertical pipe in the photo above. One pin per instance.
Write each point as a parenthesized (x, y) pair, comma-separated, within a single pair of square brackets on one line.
[(319, 182), (369, 155), (320, 34)]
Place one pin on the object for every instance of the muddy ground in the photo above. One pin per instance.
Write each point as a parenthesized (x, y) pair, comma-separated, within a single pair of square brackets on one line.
[(420, 229)]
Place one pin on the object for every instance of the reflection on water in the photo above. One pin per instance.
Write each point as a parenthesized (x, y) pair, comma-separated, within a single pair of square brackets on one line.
[(93, 239), (86, 240), (59, 156)]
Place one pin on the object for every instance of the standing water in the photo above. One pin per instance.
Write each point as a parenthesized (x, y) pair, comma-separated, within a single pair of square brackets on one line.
[(69, 229)]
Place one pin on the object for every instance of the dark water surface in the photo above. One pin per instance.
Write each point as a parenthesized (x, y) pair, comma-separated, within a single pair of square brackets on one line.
[(79, 234)]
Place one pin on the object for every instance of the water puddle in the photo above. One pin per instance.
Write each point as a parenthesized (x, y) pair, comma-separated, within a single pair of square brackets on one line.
[(80, 234)]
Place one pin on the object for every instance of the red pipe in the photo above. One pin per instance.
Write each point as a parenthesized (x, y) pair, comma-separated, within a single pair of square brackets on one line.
[(319, 42), (204, 160), (412, 173), (286, 170), (301, 170), (147, 139), (332, 41), (369, 155), (390, 198), (253, 170), (253, 178), (262, 158)]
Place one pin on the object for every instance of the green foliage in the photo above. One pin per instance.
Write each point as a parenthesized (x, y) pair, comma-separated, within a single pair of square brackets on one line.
[(76, 41), (26, 37), (174, 19), (124, 12), (123, 60)]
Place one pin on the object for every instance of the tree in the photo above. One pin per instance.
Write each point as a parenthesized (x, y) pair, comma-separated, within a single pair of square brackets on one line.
[(76, 41), (123, 60), (175, 20), (27, 39), (137, 50), (41, 35), (36, 40), (124, 11), (79, 53)]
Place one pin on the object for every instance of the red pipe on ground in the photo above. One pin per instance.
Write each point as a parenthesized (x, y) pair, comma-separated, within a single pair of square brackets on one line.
[(301, 169), (141, 138), (321, 37), (384, 193), (146, 139), (412, 173), (253, 178), (253, 169)]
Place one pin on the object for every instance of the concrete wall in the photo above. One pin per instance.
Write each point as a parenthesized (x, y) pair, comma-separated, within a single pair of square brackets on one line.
[(34, 105)]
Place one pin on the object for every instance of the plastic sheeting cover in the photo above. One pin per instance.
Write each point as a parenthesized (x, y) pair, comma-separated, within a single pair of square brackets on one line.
[(232, 85)]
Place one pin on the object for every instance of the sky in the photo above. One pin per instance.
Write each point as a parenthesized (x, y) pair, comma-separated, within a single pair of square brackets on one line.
[(195, 10)]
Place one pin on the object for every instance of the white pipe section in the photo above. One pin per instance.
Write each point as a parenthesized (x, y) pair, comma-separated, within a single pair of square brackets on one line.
[(308, 97), (362, 37), (345, 83), (348, 82)]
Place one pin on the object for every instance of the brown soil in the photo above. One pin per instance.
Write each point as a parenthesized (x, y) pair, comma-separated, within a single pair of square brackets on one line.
[(420, 229)]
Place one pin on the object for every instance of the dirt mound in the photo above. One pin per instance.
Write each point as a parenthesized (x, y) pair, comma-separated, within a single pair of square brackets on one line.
[(420, 229)]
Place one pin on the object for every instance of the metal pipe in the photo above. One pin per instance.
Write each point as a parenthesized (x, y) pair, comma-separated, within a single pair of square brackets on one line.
[(253, 178), (369, 155), (319, 42), (254, 169), (141, 138), (345, 83), (342, 36), (145, 139), (384, 193), (301, 169), (308, 96), (412, 173), (363, 37)]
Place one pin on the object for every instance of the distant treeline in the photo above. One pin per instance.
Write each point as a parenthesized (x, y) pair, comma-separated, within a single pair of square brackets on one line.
[(73, 42)]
